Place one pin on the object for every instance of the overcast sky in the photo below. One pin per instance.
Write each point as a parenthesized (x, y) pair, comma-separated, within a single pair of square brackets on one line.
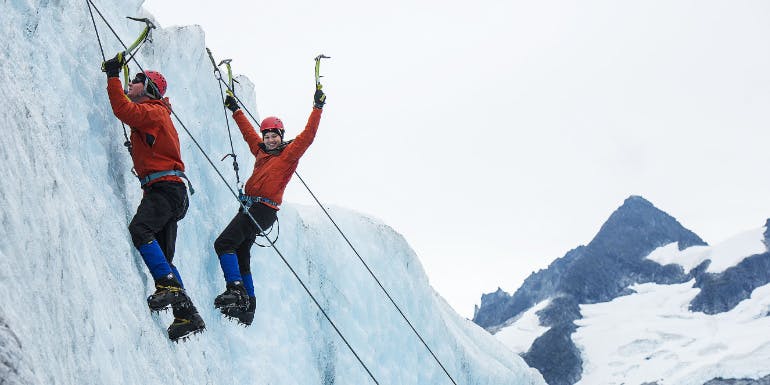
[(498, 135)]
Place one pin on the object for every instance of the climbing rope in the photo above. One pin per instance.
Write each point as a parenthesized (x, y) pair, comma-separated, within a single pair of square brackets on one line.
[(127, 143), (360, 258), (231, 91), (286, 262), (218, 75)]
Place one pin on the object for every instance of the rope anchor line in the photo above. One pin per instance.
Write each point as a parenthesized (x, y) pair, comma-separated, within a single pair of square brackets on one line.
[(231, 92), (318, 77), (205, 155), (272, 244), (218, 75)]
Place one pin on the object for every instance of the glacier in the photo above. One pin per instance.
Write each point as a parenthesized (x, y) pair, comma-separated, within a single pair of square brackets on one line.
[(652, 337), (699, 320), (74, 288)]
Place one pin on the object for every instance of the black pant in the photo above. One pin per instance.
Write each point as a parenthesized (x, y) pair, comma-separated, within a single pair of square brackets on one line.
[(240, 234), (163, 204)]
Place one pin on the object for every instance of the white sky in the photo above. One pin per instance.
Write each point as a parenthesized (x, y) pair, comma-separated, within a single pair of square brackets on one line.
[(500, 135)]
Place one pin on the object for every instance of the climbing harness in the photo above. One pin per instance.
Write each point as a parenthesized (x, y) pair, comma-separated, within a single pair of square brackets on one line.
[(248, 201), (149, 178), (278, 252)]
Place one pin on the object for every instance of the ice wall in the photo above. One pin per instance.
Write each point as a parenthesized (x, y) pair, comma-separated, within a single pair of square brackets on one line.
[(73, 288)]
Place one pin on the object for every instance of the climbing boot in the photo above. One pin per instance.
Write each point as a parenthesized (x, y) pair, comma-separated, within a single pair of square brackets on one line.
[(244, 317), (235, 297), (187, 322), (168, 292)]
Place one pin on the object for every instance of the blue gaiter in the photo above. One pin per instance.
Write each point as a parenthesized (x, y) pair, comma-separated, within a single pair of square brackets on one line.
[(248, 283), (155, 259), (229, 264)]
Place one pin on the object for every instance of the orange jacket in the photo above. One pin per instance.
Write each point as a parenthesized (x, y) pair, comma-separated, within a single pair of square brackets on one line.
[(273, 172), (149, 119)]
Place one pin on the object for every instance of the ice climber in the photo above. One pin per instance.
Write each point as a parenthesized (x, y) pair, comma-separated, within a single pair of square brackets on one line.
[(158, 164), (276, 161)]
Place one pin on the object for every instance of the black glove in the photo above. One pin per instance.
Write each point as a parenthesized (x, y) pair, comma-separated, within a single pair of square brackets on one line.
[(112, 67), (319, 99), (231, 103)]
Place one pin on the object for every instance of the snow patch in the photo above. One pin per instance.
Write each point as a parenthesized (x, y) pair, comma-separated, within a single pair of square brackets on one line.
[(723, 255), (651, 336), (688, 258), (520, 332), (734, 250)]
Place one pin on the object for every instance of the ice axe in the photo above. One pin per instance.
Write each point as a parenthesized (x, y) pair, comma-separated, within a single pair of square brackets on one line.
[(131, 50), (148, 25), (318, 76), (230, 81)]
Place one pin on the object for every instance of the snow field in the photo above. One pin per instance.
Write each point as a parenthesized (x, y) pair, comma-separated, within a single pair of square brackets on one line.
[(651, 336), (723, 255), (675, 346), (522, 332)]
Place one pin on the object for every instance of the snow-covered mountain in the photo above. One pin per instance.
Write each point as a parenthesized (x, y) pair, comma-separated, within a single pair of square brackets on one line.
[(645, 302), (73, 288)]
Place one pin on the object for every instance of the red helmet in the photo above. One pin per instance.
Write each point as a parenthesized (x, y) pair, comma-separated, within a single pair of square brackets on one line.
[(272, 123), (160, 83)]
